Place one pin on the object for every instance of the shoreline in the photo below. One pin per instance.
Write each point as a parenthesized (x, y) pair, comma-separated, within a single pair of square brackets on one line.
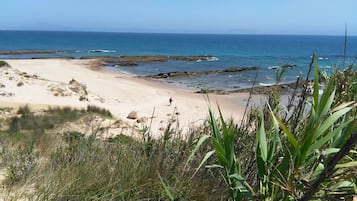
[(181, 78), (118, 92)]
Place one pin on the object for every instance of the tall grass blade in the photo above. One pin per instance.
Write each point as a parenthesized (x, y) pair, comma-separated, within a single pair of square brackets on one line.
[(198, 145), (262, 141), (326, 100), (315, 94), (329, 122), (220, 152), (319, 143), (204, 160), (347, 165), (242, 186), (166, 188), (292, 140), (214, 125)]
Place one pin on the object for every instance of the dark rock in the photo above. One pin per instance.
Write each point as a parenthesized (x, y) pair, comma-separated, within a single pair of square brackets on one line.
[(288, 66), (128, 64), (198, 73), (83, 98), (192, 58), (132, 115), (129, 59), (214, 91), (19, 84), (283, 66), (142, 120)]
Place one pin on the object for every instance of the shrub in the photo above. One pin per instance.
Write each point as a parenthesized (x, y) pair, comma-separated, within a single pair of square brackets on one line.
[(307, 154), (4, 64), (52, 116), (100, 111), (22, 165)]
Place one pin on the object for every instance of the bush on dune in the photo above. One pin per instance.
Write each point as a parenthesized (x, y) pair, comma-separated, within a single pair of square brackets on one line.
[(4, 64)]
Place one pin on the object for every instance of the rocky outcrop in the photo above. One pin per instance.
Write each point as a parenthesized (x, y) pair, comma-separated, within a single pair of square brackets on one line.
[(283, 88), (127, 64), (283, 66), (198, 73), (150, 58), (192, 58), (128, 59)]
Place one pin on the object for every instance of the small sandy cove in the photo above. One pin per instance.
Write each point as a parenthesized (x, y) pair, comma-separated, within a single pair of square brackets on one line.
[(77, 83)]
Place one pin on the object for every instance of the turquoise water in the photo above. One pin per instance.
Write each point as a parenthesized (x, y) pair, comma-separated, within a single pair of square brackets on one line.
[(264, 51)]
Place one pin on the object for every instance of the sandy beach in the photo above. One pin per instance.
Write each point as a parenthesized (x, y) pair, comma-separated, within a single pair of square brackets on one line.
[(77, 83)]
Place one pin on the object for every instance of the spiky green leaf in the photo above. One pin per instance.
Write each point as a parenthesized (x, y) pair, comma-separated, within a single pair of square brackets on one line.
[(167, 190), (262, 141), (198, 145), (204, 160)]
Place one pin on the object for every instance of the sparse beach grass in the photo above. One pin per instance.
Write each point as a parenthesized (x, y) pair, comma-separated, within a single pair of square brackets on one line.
[(78, 166)]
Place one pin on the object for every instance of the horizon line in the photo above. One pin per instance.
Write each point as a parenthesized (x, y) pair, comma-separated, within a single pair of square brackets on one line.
[(183, 33)]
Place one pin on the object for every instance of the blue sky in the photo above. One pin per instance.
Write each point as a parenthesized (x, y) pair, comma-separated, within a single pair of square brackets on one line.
[(318, 17)]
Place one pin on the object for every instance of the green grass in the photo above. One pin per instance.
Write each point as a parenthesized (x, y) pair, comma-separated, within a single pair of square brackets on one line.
[(4, 64), (74, 166), (29, 121), (316, 147), (98, 110), (51, 117)]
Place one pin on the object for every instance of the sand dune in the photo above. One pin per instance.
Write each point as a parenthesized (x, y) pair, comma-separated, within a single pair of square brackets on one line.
[(48, 83)]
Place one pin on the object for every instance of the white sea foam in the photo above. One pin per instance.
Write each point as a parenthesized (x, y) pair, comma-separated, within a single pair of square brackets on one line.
[(273, 67), (208, 59), (265, 84), (212, 59), (321, 58), (101, 51)]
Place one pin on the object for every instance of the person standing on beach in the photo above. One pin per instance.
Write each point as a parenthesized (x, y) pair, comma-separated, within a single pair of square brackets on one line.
[(170, 101)]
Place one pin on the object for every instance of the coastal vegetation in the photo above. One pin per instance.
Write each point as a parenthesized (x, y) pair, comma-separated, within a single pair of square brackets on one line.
[(302, 153), (3, 64), (304, 150)]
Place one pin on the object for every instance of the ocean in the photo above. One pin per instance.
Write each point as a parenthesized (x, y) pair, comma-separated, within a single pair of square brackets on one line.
[(263, 51)]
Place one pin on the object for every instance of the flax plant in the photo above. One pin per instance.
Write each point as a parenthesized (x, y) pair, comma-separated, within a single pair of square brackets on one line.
[(318, 151)]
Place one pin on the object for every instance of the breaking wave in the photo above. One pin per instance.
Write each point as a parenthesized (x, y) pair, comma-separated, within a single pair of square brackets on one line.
[(101, 51)]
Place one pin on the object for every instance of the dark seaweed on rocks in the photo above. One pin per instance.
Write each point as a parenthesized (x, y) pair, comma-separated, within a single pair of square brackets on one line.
[(198, 73), (286, 88)]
